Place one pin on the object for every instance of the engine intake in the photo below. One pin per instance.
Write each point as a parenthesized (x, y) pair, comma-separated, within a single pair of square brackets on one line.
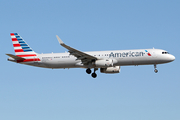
[(104, 63), (115, 69)]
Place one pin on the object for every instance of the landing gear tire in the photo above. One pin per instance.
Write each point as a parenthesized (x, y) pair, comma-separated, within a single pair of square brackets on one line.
[(88, 71), (155, 70), (94, 75)]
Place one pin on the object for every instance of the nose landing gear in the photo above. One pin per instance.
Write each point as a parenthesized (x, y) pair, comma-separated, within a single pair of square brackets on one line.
[(155, 70)]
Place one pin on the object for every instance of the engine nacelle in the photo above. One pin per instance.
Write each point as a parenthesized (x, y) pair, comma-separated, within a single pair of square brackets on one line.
[(115, 69), (104, 63)]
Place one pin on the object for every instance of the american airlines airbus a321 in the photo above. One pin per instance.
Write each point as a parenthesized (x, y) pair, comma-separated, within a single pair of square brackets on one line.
[(107, 61)]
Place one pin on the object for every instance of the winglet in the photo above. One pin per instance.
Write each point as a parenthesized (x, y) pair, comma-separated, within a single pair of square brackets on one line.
[(60, 41)]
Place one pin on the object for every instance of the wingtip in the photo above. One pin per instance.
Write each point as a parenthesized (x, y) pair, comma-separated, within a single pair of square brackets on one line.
[(60, 41)]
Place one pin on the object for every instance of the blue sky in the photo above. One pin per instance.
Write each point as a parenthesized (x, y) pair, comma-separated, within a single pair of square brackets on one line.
[(137, 93)]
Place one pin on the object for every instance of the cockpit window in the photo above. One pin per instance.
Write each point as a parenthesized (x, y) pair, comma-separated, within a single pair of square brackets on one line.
[(165, 53)]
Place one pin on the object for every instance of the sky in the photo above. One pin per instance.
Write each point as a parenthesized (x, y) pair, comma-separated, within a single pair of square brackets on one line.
[(136, 93)]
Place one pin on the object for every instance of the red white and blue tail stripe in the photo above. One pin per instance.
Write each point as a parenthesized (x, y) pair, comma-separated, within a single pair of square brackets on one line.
[(22, 49)]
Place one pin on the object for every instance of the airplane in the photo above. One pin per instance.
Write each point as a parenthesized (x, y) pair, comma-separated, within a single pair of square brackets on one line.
[(106, 61)]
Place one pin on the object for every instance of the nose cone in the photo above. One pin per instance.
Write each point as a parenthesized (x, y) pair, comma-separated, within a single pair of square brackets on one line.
[(172, 58)]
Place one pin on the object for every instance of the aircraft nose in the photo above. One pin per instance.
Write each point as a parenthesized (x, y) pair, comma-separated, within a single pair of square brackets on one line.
[(172, 58)]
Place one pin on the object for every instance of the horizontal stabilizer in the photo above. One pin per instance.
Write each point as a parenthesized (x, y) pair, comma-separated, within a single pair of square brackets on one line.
[(15, 57)]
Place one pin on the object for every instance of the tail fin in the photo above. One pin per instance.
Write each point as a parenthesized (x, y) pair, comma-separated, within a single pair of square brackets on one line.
[(20, 46), (22, 49)]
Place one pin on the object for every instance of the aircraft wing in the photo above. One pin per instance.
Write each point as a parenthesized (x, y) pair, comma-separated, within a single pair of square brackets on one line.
[(84, 57)]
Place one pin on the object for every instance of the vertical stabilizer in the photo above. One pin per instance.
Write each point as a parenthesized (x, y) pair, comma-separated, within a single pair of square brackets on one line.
[(22, 49)]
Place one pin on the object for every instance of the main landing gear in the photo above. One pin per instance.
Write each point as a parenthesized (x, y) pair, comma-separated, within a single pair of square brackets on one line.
[(88, 71), (94, 75), (155, 70)]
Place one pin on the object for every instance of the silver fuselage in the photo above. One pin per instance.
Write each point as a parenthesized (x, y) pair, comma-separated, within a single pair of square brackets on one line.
[(119, 57)]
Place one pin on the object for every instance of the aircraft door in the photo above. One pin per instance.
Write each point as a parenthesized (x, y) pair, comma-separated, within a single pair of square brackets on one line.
[(154, 54)]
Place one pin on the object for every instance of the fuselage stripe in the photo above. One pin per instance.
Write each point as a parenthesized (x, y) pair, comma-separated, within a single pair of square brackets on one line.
[(29, 60), (26, 55)]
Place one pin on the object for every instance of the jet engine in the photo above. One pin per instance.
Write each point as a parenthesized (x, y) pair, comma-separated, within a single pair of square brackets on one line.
[(104, 63), (115, 69)]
